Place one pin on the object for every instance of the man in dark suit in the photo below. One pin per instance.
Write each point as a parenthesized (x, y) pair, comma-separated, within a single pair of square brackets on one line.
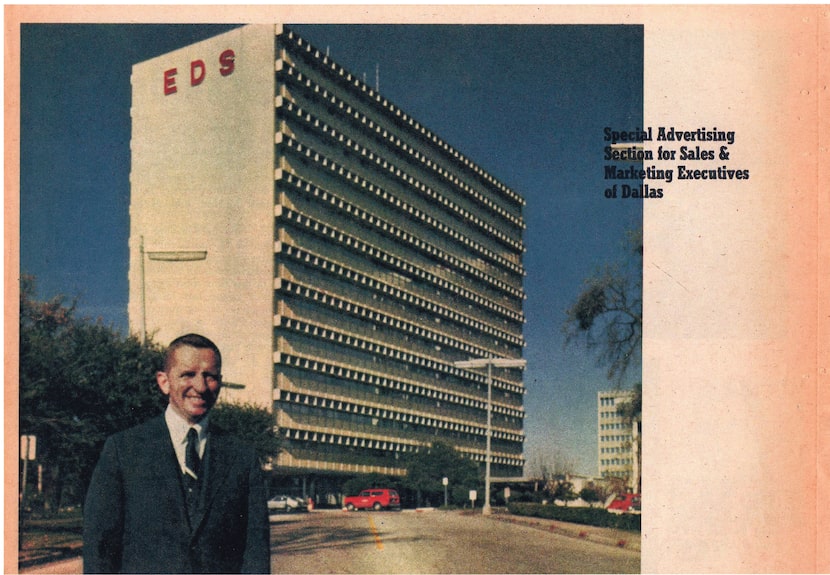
[(176, 494)]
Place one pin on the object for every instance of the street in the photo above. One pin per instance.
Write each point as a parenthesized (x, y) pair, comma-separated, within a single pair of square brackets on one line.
[(434, 542), (428, 542)]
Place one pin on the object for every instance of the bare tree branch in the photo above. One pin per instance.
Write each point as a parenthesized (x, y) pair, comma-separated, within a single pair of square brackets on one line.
[(607, 316)]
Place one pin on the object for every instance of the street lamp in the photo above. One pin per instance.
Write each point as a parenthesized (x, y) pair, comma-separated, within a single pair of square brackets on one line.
[(232, 385), (162, 256), (489, 363)]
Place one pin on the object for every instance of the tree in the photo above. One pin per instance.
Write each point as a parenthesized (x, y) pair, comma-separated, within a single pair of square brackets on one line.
[(426, 469), (254, 424), (608, 313), (608, 317), (590, 495), (563, 490), (631, 410), (80, 382)]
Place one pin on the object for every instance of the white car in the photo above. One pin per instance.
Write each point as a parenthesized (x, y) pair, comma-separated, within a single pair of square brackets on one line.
[(286, 504)]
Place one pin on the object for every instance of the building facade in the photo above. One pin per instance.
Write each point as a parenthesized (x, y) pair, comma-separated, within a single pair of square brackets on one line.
[(617, 439), (341, 255)]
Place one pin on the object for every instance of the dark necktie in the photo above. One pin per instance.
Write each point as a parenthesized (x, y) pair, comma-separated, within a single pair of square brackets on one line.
[(191, 458), (191, 475)]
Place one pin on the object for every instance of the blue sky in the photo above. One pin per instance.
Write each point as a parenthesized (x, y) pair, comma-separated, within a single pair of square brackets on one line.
[(527, 103)]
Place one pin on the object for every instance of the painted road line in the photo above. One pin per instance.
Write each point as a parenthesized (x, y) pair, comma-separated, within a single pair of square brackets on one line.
[(375, 534)]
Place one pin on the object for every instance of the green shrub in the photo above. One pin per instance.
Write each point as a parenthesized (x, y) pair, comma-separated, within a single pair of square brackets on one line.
[(583, 515)]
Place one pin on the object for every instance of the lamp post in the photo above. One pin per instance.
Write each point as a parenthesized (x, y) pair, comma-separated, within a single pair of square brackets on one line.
[(163, 256), (489, 363)]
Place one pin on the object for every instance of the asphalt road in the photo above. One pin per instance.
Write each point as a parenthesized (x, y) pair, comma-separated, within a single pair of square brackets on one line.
[(428, 542), (435, 542)]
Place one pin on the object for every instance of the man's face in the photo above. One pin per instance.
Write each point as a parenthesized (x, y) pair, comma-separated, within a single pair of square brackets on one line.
[(192, 382)]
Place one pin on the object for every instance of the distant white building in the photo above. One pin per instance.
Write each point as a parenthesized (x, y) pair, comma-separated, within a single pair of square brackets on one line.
[(616, 438)]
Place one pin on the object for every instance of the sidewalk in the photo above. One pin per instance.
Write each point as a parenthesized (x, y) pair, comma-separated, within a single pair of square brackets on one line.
[(34, 557)]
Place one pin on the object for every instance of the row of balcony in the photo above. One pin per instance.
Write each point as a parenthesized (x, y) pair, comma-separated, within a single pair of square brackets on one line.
[(409, 182), (288, 355), (398, 399), (360, 89), (380, 350), (434, 380), (317, 387), (374, 325), (386, 314), (363, 443), (378, 412), (390, 321), (386, 140), (369, 252), (436, 309), (293, 457), (395, 238), (314, 237), (435, 226)]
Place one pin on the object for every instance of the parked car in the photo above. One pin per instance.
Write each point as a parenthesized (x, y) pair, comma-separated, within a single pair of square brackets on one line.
[(625, 503), (287, 504), (376, 499)]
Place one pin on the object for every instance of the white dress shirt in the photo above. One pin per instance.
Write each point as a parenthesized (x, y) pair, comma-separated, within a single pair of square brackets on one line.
[(178, 428)]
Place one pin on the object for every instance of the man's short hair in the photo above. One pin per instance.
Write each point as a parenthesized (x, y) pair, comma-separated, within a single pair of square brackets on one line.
[(190, 340)]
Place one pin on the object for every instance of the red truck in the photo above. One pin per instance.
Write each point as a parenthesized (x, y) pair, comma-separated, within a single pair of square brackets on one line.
[(625, 503), (376, 499)]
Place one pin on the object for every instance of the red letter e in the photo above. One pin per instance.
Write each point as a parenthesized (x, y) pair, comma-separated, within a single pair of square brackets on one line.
[(170, 82)]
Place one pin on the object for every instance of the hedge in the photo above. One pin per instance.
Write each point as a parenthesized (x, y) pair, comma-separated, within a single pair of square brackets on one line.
[(594, 516)]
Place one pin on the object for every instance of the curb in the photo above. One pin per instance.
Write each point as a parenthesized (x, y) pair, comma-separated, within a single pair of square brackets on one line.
[(623, 540)]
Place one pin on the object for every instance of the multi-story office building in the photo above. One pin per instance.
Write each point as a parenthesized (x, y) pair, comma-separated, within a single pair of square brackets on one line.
[(617, 438), (341, 254)]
